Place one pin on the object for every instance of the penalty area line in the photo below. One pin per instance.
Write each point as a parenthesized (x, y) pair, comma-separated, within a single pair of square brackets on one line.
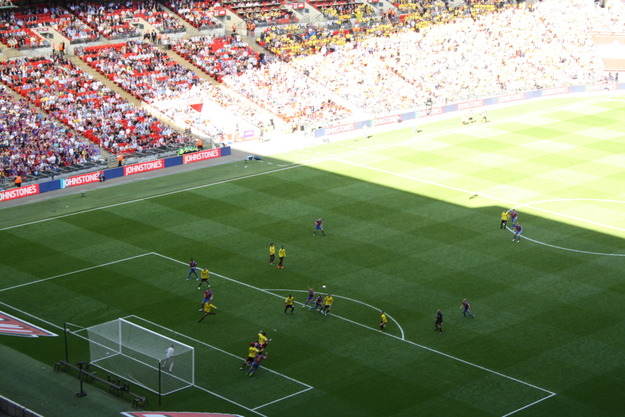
[(74, 272), (216, 348), (529, 405), (551, 394), (281, 399), (229, 400)]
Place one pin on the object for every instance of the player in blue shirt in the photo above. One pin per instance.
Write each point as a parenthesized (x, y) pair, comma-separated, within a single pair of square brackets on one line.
[(517, 229), (319, 226), (192, 270), (311, 297), (513, 216), (466, 307)]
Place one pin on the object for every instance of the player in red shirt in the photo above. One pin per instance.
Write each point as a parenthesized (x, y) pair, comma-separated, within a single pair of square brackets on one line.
[(311, 296), (518, 229), (192, 270), (207, 298), (318, 303), (466, 308), (319, 226)]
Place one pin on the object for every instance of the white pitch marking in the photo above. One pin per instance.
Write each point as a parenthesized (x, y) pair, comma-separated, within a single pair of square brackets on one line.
[(511, 203), (350, 299), (389, 335), (73, 272), (218, 349), (423, 138), (282, 399)]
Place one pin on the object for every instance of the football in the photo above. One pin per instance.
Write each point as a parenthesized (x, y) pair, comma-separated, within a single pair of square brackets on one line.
[(323, 286)]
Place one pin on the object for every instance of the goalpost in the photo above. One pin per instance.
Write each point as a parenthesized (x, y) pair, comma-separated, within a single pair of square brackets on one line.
[(142, 356)]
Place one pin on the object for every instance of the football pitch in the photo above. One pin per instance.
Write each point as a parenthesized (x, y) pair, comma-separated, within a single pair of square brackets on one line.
[(413, 225)]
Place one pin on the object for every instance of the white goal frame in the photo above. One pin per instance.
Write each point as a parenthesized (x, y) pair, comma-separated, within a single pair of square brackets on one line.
[(138, 355)]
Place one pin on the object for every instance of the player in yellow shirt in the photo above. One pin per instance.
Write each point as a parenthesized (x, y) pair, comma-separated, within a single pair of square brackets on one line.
[(252, 351), (288, 304), (281, 256), (272, 253), (383, 321), (504, 219), (327, 304), (207, 310), (203, 278), (263, 340)]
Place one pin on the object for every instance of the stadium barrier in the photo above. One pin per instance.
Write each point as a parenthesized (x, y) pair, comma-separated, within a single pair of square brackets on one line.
[(12, 409), (466, 105), (91, 177)]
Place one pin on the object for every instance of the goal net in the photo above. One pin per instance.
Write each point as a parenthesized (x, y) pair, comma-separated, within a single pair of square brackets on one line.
[(141, 356)]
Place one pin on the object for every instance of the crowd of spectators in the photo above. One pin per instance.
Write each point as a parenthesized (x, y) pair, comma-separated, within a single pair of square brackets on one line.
[(291, 41), (110, 20), (345, 11), (15, 33), (199, 14), (472, 55), (218, 55), (214, 111), (140, 68), (83, 103), (32, 144), (262, 12), (290, 94), (358, 68), (161, 20), (37, 17)]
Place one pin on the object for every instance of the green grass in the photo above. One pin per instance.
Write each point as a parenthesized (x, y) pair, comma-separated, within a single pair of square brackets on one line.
[(413, 226)]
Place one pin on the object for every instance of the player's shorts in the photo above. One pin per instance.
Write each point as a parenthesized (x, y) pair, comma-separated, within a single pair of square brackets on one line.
[(250, 359), (318, 227)]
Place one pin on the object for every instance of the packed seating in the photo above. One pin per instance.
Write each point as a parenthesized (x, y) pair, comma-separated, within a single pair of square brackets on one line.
[(515, 50), (45, 16), (199, 14), (218, 55), (291, 41), (78, 100), (15, 33), (342, 70), (140, 68), (111, 20), (294, 97), (181, 108), (262, 12), (161, 20), (32, 144), (345, 11)]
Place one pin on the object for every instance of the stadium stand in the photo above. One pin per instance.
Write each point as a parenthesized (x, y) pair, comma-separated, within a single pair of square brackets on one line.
[(218, 56), (110, 20), (140, 68), (67, 93), (199, 14), (33, 145), (359, 61)]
